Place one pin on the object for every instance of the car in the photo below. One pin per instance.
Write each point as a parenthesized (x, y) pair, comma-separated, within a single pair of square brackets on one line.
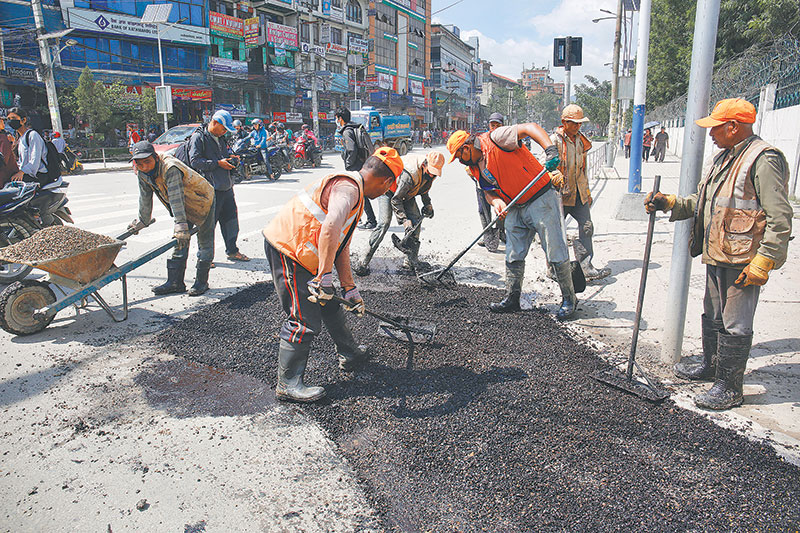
[(170, 139)]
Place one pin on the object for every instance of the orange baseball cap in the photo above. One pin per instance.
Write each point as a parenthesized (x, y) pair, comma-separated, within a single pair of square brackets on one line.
[(435, 163), (391, 158), (455, 142), (737, 109)]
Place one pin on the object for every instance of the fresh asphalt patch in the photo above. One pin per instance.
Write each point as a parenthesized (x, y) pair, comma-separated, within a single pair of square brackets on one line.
[(497, 425)]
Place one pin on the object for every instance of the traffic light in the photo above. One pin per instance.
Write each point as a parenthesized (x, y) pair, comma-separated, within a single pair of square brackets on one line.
[(560, 52)]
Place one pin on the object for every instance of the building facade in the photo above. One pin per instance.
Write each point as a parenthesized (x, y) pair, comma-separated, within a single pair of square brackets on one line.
[(453, 76)]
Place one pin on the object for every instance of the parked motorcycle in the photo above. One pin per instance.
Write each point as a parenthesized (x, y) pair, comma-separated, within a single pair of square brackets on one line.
[(306, 154), (70, 163)]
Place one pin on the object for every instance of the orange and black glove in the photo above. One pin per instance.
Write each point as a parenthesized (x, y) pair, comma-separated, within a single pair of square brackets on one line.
[(756, 273), (659, 202)]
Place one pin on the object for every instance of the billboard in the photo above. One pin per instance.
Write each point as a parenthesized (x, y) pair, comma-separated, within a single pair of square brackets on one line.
[(225, 25), (129, 26), (282, 36)]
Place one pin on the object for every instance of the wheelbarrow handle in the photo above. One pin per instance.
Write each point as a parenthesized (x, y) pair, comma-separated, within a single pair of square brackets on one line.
[(128, 233)]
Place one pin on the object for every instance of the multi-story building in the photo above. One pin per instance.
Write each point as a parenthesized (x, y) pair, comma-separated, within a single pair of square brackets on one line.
[(453, 74), (538, 80)]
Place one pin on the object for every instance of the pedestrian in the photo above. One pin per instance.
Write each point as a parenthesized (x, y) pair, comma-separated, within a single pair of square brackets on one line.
[(660, 145), (647, 142), (61, 145), (70, 131), (8, 161), (189, 198), (573, 183), (503, 169), (628, 144), (208, 155), (303, 243), (260, 139), (133, 137), (354, 156), (742, 225), (491, 239), (152, 135), (31, 150)]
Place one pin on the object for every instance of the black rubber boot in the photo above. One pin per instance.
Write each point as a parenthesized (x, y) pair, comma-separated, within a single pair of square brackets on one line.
[(569, 302), (176, 269), (201, 280), (351, 355), (515, 273), (726, 392), (701, 367), (292, 360)]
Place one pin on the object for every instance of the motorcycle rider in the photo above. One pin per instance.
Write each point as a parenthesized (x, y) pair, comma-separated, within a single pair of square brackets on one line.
[(31, 149), (260, 139), (282, 137), (312, 143), (241, 133)]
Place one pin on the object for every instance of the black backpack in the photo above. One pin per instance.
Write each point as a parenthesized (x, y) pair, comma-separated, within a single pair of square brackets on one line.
[(51, 159), (363, 142), (182, 151)]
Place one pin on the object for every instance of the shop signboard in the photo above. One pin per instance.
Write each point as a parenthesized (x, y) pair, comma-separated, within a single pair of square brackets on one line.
[(187, 93), (326, 7), (294, 117), (279, 117), (251, 32), (385, 81), (129, 26), (325, 33), (237, 110), (415, 87), (225, 25), (360, 46), (337, 14), (378, 97), (336, 49), (231, 66), (282, 36), (21, 73), (307, 48)]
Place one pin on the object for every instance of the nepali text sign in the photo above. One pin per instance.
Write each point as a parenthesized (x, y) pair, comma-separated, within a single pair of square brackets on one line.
[(223, 64), (196, 95), (225, 25), (360, 46), (115, 24), (415, 87), (283, 36), (237, 110), (336, 49), (251, 32)]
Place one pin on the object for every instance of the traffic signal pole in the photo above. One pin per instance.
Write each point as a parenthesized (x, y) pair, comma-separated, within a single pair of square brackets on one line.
[(567, 72)]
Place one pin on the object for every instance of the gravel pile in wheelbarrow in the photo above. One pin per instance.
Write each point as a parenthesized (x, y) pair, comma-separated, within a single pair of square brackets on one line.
[(497, 426), (54, 242)]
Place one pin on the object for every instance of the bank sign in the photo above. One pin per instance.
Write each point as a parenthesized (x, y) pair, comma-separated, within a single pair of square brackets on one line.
[(125, 25)]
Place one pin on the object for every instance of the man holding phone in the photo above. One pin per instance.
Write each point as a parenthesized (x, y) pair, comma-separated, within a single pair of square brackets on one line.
[(208, 154)]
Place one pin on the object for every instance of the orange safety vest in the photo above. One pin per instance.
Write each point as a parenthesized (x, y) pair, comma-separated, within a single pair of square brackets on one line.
[(295, 230), (512, 170)]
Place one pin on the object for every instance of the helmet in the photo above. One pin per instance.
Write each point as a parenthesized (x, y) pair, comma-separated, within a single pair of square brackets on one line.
[(256, 121), (281, 127), (237, 123), (304, 127)]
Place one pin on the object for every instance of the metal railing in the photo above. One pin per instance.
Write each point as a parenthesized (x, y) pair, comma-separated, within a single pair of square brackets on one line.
[(595, 160)]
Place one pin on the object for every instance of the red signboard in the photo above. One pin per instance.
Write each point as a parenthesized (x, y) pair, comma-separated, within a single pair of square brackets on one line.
[(251, 32), (225, 25), (280, 117), (186, 93)]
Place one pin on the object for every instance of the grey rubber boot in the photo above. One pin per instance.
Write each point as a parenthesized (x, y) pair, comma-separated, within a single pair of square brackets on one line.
[(292, 360), (176, 270), (569, 302), (701, 367), (515, 273), (726, 392), (201, 279), (351, 355), (591, 273)]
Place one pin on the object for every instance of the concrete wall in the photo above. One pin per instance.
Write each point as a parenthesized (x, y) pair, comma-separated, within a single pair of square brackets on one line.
[(780, 127)]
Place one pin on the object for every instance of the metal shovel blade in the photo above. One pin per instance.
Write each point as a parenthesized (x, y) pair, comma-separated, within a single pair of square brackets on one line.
[(406, 329), (439, 277), (619, 380)]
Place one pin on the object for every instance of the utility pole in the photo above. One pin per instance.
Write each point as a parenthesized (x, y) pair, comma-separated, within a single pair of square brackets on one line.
[(703, 47), (611, 144), (567, 72), (640, 90), (47, 64), (161, 68)]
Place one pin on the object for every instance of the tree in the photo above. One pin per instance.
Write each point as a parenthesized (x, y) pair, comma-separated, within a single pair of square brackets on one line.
[(511, 103), (595, 99), (544, 108), (91, 101)]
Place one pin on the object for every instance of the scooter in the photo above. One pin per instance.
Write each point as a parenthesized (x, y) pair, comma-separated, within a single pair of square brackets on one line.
[(306, 154), (16, 224)]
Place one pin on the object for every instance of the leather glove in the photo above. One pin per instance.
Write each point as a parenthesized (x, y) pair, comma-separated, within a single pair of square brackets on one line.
[(408, 225), (552, 160), (357, 303), (321, 289), (427, 211), (135, 226), (659, 202), (756, 273), (181, 233), (557, 179)]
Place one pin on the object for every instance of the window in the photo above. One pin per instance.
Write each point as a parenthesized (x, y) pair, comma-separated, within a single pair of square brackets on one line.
[(334, 67), (336, 3), (354, 11), (305, 34), (123, 55), (192, 10), (336, 36)]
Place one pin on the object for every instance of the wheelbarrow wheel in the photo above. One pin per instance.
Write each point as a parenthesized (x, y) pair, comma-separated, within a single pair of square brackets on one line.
[(19, 301)]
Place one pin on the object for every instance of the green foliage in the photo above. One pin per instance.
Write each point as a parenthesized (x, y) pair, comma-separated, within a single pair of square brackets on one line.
[(514, 109), (91, 101), (595, 99), (544, 110)]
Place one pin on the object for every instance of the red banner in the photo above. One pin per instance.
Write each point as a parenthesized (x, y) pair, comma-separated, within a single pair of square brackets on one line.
[(225, 25), (198, 95), (280, 117)]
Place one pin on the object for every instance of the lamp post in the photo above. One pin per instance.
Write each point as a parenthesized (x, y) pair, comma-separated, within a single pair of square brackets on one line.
[(158, 14)]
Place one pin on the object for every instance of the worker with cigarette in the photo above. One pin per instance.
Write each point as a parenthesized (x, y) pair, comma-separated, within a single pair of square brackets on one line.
[(308, 238)]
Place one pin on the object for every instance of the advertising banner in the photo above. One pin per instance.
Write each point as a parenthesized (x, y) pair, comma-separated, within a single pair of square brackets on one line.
[(325, 33), (231, 66), (336, 49), (360, 46), (326, 7), (415, 87), (187, 93), (283, 36), (251, 32), (129, 26), (385, 81), (279, 117), (294, 117), (225, 25)]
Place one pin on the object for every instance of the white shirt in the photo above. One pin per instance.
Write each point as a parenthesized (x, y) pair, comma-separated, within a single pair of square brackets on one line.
[(60, 144)]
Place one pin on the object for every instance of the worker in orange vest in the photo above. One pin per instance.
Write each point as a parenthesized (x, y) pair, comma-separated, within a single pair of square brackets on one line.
[(303, 243)]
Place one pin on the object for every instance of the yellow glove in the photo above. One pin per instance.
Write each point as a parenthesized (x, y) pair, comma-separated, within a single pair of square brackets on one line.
[(659, 202), (557, 179), (756, 273)]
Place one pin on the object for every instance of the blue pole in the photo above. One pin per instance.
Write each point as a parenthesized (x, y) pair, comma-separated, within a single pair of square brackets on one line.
[(640, 91)]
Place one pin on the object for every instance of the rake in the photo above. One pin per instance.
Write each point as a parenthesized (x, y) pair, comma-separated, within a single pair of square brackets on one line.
[(400, 328)]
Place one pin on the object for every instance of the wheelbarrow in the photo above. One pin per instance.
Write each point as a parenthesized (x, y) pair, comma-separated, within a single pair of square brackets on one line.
[(29, 306)]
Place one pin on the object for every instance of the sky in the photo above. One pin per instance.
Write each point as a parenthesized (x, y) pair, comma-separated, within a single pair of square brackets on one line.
[(513, 32)]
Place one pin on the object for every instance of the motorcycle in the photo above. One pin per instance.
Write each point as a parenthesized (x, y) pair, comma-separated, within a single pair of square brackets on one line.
[(70, 163), (306, 154), (25, 208), (277, 160)]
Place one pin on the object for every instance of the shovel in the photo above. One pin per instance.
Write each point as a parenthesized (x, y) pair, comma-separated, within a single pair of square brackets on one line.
[(400, 328), (434, 277), (644, 389)]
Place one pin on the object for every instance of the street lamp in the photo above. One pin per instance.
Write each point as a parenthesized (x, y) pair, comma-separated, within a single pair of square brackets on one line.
[(159, 14)]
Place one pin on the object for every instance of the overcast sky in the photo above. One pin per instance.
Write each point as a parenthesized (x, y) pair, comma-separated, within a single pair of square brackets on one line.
[(513, 32)]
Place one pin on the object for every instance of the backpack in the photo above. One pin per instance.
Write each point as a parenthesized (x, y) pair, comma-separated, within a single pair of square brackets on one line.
[(363, 142), (50, 158), (182, 151)]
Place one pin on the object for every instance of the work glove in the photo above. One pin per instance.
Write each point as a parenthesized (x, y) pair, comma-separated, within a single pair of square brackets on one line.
[(135, 226), (556, 179), (659, 202), (756, 273), (356, 305), (181, 233), (552, 160), (321, 289), (427, 211), (408, 225)]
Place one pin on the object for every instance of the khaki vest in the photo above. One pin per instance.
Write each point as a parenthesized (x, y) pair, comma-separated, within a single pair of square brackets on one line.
[(573, 185), (197, 191), (295, 230), (737, 219)]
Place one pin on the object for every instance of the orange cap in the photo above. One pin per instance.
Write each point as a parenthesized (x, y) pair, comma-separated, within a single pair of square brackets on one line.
[(391, 158), (737, 109), (573, 113), (455, 142), (435, 163)]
